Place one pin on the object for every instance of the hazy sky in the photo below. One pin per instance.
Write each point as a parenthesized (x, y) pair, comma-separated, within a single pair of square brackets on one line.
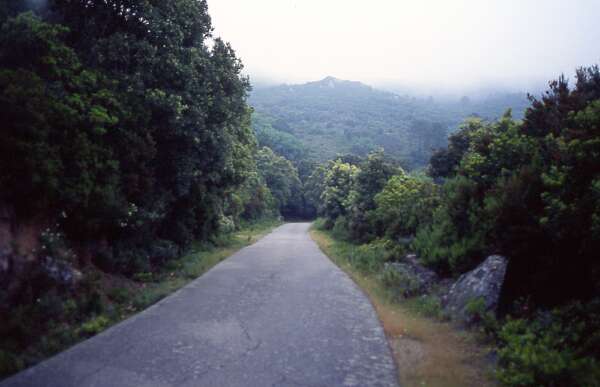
[(431, 45)]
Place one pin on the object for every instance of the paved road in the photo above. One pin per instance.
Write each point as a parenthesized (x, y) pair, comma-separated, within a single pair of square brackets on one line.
[(277, 313)]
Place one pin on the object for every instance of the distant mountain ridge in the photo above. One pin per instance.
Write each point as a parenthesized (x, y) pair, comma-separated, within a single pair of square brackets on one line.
[(333, 82), (332, 116)]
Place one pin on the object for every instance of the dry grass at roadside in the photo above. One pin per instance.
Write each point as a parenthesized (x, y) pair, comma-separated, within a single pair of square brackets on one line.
[(428, 352)]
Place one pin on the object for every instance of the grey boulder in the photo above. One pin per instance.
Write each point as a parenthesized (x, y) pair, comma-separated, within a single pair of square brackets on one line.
[(484, 282)]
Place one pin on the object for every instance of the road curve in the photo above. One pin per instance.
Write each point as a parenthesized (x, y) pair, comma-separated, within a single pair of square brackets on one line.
[(277, 313)]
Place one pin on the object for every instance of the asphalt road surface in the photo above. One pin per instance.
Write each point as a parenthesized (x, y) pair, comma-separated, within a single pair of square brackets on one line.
[(277, 313)]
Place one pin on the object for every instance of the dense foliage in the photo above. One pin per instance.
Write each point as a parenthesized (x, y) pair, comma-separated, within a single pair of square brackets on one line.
[(126, 137), (124, 124), (405, 203), (281, 142), (528, 190), (554, 348), (281, 177)]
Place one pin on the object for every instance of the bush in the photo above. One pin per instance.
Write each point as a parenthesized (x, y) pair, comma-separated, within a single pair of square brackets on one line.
[(398, 284), (369, 258), (119, 294), (226, 224), (319, 224), (148, 297), (477, 314), (475, 308), (559, 348), (340, 229), (428, 306), (95, 325), (405, 203), (455, 240), (218, 240)]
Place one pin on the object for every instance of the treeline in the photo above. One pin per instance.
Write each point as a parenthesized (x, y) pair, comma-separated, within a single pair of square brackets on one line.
[(528, 190), (128, 123)]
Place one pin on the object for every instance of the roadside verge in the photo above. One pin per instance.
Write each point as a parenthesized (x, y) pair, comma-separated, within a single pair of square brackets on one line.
[(428, 352)]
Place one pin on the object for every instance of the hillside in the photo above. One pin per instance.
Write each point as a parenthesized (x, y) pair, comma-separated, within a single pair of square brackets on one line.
[(333, 116)]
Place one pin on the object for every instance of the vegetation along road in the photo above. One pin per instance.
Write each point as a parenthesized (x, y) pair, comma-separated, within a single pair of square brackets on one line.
[(277, 313)]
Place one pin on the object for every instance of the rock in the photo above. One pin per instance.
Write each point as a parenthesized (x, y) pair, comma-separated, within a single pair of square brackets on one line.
[(484, 282), (61, 272), (423, 277)]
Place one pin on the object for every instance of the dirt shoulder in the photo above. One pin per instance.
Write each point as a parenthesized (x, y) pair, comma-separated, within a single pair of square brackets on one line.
[(428, 352)]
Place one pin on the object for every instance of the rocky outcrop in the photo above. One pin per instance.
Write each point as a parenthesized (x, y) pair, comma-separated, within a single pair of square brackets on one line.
[(483, 284), (422, 278)]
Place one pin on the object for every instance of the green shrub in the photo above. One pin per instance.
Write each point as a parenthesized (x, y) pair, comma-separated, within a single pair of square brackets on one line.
[(218, 240), (428, 306), (95, 325), (477, 314), (340, 229), (369, 258), (447, 247), (148, 297), (119, 294), (319, 224), (560, 348), (193, 269), (226, 224), (398, 284), (405, 203), (475, 308)]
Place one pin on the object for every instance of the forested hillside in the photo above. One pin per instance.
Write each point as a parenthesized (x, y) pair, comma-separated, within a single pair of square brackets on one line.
[(333, 116)]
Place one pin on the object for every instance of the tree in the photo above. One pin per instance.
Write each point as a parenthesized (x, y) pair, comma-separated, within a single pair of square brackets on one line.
[(123, 119), (314, 187), (372, 176), (55, 151), (526, 190), (282, 179), (443, 162), (339, 182), (405, 203)]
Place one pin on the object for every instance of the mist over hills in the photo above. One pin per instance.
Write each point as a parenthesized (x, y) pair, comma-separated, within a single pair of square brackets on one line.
[(324, 118)]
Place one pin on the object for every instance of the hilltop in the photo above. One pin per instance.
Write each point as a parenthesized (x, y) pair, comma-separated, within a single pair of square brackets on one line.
[(333, 116)]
